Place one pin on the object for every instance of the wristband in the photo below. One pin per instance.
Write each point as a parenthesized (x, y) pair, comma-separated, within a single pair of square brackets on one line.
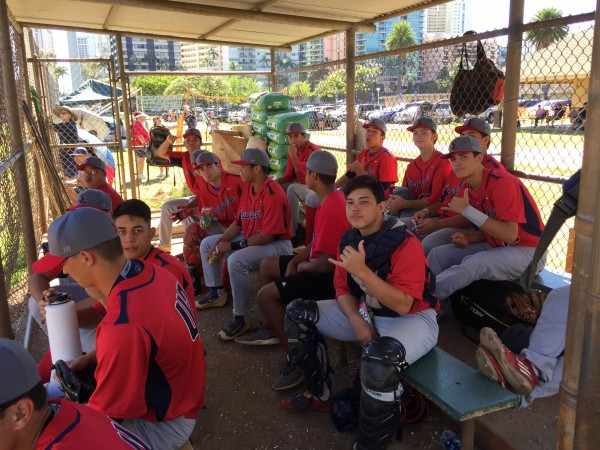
[(238, 245), (474, 215)]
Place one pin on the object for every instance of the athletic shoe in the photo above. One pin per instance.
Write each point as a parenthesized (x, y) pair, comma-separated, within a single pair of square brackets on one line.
[(517, 371), (258, 336), (238, 325), (211, 302), (291, 376), (488, 366), (299, 403)]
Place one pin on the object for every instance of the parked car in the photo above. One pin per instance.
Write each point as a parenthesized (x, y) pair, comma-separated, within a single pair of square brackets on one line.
[(235, 116), (407, 115), (441, 112), (339, 112), (363, 110), (386, 113), (331, 122)]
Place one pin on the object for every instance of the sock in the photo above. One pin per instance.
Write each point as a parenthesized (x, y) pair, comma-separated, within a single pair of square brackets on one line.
[(214, 292), (310, 214)]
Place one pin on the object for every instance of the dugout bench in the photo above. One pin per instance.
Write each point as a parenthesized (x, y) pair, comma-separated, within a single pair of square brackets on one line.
[(461, 391)]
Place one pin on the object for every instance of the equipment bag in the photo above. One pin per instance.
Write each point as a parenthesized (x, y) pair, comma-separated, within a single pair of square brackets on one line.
[(475, 89), (158, 135)]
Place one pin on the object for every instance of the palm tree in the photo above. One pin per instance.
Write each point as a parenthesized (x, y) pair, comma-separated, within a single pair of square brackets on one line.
[(58, 72), (207, 61), (233, 66), (265, 60), (402, 35), (545, 37)]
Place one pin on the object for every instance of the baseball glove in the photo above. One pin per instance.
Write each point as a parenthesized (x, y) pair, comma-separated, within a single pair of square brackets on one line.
[(78, 387), (520, 306)]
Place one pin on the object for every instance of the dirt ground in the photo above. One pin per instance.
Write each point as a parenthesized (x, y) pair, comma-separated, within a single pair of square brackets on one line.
[(243, 412)]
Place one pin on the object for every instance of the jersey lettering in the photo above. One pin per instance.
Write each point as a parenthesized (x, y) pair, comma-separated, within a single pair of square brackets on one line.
[(182, 305), (129, 438)]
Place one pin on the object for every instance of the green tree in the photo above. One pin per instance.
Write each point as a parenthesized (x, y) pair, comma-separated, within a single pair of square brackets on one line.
[(212, 54), (152, 85), (213, 86), (335, 83), (299, 90), (545, 37), (402, 35), (265, 61), (93, 71), (233, 66), (241, 87), (208, 61)]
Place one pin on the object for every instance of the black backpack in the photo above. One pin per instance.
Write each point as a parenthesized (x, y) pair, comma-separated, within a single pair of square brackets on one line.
[(158, 135)]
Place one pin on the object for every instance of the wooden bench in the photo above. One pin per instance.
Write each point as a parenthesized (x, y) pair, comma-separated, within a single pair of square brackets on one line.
[(458, 390)]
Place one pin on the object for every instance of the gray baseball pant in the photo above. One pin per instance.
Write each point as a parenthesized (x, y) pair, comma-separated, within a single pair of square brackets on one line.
[(296, 193), (165, 226), (239, 263), (440, 237)]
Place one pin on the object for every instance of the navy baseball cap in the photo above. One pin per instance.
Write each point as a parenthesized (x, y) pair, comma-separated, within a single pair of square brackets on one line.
[(376, 123), (424, 122), (295, 128), (92, 161), (93, 198), (73, 232), (321, 162), (192, 132), (475, 124), (463, 144), (19, 372), (253, 156)]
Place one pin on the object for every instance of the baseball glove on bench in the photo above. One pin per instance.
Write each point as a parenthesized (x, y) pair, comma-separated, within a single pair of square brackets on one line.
[(77, 386)]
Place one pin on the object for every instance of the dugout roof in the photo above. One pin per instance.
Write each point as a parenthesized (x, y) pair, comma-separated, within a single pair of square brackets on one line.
[(275, 24)]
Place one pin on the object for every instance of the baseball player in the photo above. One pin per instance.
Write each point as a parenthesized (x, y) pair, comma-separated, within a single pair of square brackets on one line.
[(133, 221), (29, 420), (375, 160), (505, 215), (261, 229), (293, 180), (155, 384), (537, 371), (39, 284), (383, 301), (218, 195), (140, 138), (92, 174), (425, 176), (308, 275), (436, 226), (192, 140)]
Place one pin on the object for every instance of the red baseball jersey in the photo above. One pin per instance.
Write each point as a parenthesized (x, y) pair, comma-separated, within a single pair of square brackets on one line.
[(173, 265), (299, 174), (264, 212), (224, 200), (330, 224), (141, 136), (489, 162), (381, 164), (427, 179), (407, 273), (76, 426), (503, 196), (148, 348), (115, 198), (183, 160)]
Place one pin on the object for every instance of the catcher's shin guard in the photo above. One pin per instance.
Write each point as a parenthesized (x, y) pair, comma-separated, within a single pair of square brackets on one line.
[(308, 348), (192, 237), (382, 361), (196, 277)]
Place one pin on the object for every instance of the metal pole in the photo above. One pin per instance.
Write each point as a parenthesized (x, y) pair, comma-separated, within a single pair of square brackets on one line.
[(117, 115), (16, 136), (126, 113), (580, 389), (350, 95), (37, 177), (511, 89), (273, 77)]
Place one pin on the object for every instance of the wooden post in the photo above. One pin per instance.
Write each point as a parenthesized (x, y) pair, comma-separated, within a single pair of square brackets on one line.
[(350, 95), (574, 431), (511, 90), (272, 76), (127, 115), (117, 115), (20, 167)]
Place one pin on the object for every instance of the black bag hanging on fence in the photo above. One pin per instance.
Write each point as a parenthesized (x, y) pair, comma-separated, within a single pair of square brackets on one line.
[(475, 89), (158, 135)]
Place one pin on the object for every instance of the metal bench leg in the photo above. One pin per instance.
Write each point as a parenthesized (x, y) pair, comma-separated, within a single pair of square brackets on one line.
[(467, 434)]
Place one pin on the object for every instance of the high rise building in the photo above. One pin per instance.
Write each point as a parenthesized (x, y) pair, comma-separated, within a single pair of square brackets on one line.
[(44, 39), (149, 54), (446, 18), (86, 45), (197, 57)]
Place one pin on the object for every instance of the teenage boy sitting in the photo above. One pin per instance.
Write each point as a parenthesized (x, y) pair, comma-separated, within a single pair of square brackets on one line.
[(383, 302), (261, 229), (504, 214), (308, 275), (92, 174)]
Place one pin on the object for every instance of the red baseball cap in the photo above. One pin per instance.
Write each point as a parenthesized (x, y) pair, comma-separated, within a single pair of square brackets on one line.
[(93, 162), (192, 132)]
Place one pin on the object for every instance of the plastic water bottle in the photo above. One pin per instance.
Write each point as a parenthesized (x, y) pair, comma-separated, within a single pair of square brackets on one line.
[(450, 440)]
